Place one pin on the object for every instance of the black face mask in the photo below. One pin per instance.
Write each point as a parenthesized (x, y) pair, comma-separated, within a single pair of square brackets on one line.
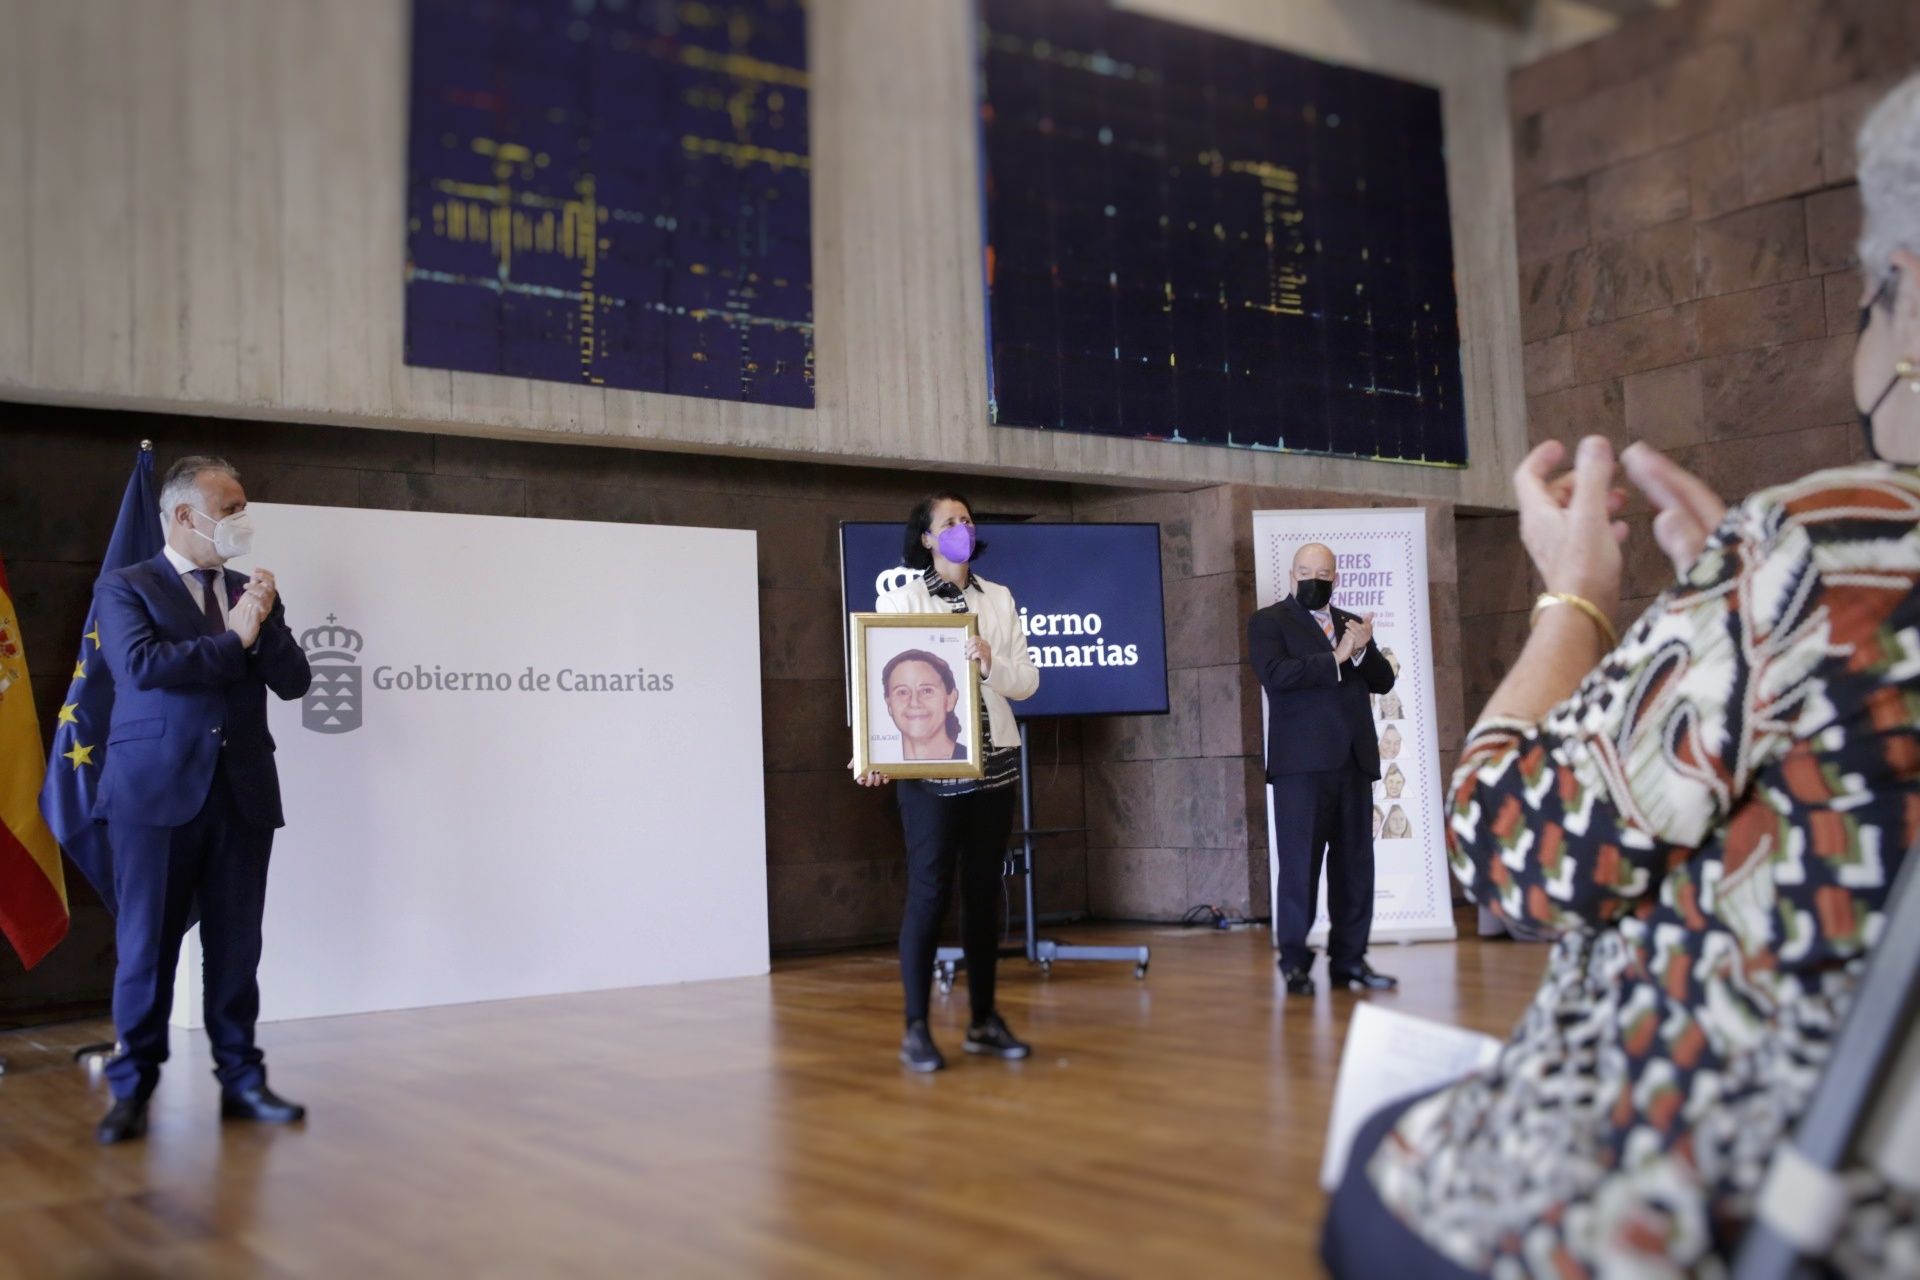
[(1314, 593), (1866, 419), (1866, 318)]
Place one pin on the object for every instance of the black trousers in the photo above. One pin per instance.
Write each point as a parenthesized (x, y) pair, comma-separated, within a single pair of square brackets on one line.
[(1324, 815), (969, 830), (220, 860)]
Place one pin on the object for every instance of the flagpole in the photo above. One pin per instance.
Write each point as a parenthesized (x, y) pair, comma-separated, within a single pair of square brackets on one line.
[(93, 1057)]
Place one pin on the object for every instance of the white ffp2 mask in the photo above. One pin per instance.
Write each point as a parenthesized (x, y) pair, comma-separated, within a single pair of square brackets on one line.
[(232, 537)]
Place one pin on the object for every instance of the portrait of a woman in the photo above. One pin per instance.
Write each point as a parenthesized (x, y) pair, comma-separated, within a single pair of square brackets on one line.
[(921, 695)]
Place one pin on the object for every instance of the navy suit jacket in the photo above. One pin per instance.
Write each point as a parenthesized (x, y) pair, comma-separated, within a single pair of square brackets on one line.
[(1317, 719), (186, 702)]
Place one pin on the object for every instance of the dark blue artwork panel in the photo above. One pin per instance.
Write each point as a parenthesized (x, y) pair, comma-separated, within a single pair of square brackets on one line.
[(1201, 239), (613, 193)]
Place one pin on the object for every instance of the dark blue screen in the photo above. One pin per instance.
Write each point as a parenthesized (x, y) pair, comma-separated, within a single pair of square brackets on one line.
[(1089, 595)]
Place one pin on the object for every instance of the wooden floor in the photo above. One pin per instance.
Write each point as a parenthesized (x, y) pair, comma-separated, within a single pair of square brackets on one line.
[(1169, 1127)]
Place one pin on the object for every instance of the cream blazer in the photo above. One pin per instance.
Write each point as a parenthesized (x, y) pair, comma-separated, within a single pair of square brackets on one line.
[(1012, 676)]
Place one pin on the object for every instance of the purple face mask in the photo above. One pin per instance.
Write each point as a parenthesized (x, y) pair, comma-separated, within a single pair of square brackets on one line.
[(956, 543)]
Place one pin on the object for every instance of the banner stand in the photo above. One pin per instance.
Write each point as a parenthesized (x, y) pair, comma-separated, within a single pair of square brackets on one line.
[(1381, 555)]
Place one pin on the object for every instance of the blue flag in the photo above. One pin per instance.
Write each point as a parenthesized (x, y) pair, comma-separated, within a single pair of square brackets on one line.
[(80, 739)]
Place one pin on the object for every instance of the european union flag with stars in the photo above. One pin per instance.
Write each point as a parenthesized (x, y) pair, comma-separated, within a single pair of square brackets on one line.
[(80, 738)]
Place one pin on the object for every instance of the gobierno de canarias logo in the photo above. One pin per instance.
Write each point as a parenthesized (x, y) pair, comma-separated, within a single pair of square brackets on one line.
[(332, 703)]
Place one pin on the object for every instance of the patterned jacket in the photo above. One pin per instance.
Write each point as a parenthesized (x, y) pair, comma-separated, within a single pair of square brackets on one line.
[(1709, 826)]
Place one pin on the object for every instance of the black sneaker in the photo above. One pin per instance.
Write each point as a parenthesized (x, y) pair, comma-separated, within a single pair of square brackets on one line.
[(993, 1039), (917, 1049), (1363, 978), (1299, 981)]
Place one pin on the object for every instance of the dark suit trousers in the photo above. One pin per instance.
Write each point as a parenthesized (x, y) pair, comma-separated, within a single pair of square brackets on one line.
[(220, 860), (968, 831), (1328, 815)]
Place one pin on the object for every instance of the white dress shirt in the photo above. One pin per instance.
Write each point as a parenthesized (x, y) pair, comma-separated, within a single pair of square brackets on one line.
[(187, 569)]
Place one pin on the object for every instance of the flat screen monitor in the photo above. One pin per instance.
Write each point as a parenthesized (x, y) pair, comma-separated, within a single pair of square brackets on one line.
[(1089, 597)]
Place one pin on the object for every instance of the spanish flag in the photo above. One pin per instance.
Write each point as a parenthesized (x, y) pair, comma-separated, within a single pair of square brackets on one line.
[(33, 888)]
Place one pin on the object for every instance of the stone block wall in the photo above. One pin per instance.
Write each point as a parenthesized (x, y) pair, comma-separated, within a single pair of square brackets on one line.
[(1686, 219)]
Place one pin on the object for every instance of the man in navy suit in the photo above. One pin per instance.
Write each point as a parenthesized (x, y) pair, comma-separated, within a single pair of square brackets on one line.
[(1319, 665), (190, 795)]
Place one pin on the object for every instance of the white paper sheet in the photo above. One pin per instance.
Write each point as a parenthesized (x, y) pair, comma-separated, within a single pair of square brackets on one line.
[(1388, 1057)]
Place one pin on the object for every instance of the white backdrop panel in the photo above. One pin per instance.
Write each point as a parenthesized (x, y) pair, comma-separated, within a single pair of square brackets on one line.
[(476, 843), (1382, 559)]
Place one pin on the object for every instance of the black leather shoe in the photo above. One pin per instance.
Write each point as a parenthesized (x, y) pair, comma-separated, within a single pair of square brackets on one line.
[(917, 1049), (1364, 979), (124, 1121), (993, 1039), (1299, 981), (259, 1103)]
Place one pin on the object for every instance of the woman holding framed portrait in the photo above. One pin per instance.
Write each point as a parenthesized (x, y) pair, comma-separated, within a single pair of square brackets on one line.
[(945, 663)]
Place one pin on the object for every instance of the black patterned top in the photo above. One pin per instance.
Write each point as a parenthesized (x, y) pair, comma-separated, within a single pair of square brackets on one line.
[(1001, 764)]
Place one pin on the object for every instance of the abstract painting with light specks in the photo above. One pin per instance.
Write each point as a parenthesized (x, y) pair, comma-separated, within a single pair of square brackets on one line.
[(613, 193), (1197, 238)]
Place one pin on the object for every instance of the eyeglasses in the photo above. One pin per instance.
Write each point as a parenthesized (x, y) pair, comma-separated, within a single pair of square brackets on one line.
[(1882, 294)]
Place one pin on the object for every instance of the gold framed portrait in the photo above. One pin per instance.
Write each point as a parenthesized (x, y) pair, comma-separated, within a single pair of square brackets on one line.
[(916, 698)]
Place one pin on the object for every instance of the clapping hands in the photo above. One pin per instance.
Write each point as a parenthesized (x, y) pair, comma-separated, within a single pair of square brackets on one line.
[(1567, 520), (1356, 638), (1688, 511), (252, 608), (1570, 521)]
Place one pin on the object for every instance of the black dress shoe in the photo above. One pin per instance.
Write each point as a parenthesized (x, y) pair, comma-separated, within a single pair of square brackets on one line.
[(917, 1049), (259, 1103), (124, 1121), (993, 1039), (1364, 979), (1299, 981)]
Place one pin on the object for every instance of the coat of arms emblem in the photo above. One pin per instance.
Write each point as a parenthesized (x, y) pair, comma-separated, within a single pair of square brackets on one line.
[(332, 704)]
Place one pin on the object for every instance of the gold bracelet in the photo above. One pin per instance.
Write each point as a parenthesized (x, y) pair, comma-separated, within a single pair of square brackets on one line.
[(1547, 599)]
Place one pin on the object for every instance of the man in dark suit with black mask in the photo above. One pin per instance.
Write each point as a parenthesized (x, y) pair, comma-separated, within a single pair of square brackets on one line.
[(1318, 666)]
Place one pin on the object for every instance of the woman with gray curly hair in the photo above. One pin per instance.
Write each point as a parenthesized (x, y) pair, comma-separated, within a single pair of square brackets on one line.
[(1706, 815)]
